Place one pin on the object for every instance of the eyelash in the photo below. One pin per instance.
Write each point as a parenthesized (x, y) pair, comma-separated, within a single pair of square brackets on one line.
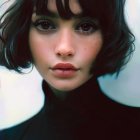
[(83, 27), (44, 25), (87, 27)]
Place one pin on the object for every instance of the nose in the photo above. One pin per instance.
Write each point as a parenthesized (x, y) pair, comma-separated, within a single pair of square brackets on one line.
[(65, 46)]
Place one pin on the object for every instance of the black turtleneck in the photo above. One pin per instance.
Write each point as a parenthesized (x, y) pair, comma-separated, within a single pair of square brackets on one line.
[(85, 114)]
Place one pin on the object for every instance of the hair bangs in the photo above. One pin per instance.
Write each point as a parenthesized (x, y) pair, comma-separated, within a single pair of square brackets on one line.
[(63, 8), (93, 9)]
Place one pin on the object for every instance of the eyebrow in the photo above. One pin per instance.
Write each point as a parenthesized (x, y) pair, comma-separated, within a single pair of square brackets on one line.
[(52, 14)]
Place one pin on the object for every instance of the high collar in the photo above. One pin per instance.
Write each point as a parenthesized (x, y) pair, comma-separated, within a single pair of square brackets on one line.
[(83, 95), (77, 106)]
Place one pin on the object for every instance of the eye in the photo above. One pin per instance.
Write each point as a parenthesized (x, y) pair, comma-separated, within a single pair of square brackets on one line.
[(87, 27), (44, 25)]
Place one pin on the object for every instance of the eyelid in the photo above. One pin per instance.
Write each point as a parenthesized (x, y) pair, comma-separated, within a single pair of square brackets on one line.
[(93, 22), (42, 19), (37, 19)]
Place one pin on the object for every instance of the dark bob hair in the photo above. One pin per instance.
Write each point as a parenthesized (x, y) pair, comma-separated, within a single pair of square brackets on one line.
[(118, 40)]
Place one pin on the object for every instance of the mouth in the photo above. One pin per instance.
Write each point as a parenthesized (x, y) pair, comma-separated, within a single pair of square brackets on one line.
[(64, 70), (64, 66)]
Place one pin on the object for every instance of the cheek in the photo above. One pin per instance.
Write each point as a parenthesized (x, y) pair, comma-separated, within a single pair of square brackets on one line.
[(38, 47), (91, 49), (36, 43)]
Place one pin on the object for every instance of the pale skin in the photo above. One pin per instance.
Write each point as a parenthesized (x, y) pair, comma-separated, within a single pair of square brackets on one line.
[(54, 40)]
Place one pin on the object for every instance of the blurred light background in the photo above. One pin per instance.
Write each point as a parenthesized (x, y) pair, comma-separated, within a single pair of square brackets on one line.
[(126, 88), (21, 96)]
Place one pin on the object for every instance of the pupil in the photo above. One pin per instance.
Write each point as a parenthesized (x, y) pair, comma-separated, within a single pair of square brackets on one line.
[(45, 25), (86, 27)]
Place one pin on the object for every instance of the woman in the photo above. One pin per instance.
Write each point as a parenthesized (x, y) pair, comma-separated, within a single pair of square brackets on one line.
[(71, 43)]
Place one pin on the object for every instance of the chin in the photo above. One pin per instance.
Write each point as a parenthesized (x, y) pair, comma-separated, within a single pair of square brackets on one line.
[(67, 88)]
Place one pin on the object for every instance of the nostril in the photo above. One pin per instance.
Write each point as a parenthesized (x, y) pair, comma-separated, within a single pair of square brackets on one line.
[(65, 53)]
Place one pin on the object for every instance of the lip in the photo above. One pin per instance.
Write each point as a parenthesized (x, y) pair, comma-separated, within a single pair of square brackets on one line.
[(64, 70), (64, 66)]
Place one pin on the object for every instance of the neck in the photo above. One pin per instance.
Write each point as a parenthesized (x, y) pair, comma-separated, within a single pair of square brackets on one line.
[(59, 94), (52, 93)]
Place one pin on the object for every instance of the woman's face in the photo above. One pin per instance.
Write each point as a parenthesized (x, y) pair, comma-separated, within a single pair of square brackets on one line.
[(64, 50)]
